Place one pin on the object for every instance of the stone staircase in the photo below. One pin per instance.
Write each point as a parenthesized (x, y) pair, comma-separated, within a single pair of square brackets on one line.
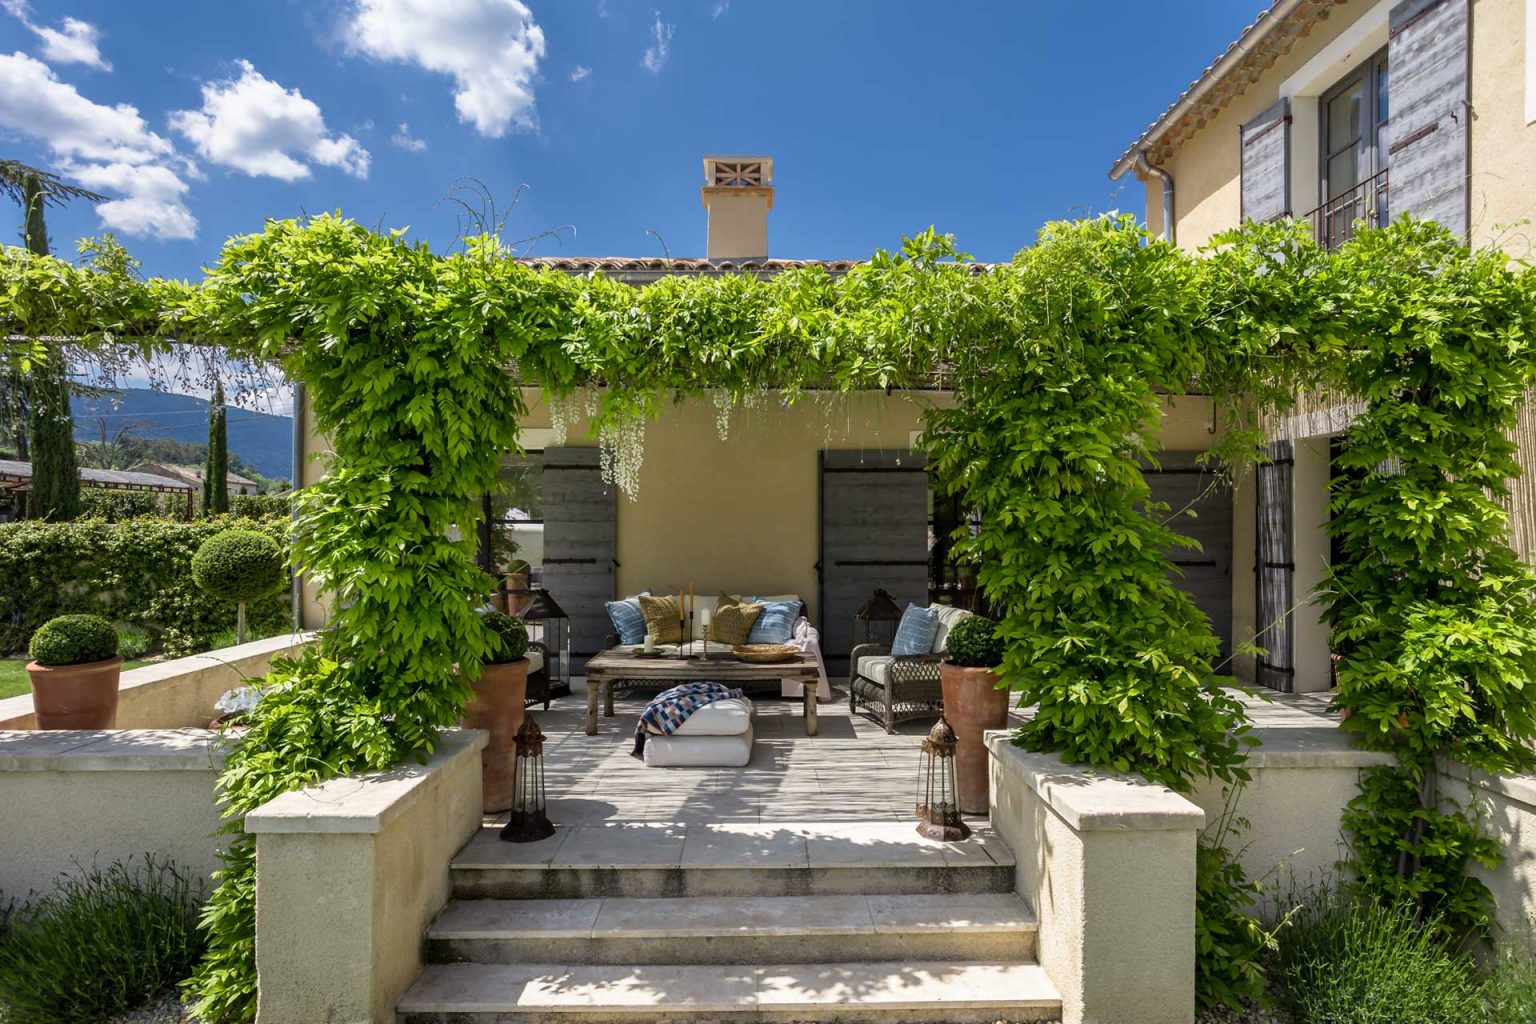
[(715, 922)]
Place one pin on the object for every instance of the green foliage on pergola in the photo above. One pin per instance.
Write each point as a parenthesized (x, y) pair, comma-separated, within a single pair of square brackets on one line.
[(1060, 361)]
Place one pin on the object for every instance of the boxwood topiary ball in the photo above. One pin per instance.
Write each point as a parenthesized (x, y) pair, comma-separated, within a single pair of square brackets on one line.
[(512, 638), (973, 643), (73, 640), (239, 565)]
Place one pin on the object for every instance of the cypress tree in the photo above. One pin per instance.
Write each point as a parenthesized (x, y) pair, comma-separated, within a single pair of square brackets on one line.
[(55, 466), (216, 472)]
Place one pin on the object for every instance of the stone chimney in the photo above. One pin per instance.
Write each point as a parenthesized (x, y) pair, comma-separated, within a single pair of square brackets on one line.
[(738, 193)]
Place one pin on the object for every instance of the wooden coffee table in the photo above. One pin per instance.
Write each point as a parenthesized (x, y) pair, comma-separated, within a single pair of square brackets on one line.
[(611, 666)]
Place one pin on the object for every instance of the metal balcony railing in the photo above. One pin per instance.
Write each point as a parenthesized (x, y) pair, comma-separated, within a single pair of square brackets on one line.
[(1333, 223)]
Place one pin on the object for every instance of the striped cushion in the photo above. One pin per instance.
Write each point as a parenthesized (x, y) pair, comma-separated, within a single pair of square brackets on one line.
[(915, 633), (627, 619), (776, 623)]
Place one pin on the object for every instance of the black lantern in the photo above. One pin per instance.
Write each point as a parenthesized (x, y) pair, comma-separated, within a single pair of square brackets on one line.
[(548, 625), (938, 808), (528, 821), (875, 623)]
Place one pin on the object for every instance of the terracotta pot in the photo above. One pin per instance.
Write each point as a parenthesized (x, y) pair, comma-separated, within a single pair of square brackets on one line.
[(76, 696), (497, 707), (972, 705)]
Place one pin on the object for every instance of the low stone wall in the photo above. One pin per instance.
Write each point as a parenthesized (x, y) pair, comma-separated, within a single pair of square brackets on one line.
[(1507, 806), (105, 796), (176, 694), (1108, 864), (1303, 773), (349, 874)]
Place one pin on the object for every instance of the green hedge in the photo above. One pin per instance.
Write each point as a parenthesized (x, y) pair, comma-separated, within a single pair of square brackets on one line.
[(261, 506), (137, 572), (115, 506)]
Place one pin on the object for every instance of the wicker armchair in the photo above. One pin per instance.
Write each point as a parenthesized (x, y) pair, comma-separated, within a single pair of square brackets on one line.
[(910, 688)]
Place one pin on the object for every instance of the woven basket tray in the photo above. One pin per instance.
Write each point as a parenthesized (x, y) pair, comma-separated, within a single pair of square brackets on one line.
[(765, 654)]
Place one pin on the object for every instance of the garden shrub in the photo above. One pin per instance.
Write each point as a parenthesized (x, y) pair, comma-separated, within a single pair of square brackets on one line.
[(240, 565), (1509, 993), (116, 506), (106, 940), (136, 573), (511, 636), (973, 643), (261, 506), (1348, 959), (73, 640)]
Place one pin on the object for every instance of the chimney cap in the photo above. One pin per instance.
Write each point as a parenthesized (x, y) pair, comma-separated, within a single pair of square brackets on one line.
[(726, 170)]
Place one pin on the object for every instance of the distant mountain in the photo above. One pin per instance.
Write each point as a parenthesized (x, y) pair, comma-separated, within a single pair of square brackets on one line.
[(262, 440)]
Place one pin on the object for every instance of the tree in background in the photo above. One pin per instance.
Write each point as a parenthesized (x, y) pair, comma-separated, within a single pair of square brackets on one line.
[(216, 470), (40, 398)]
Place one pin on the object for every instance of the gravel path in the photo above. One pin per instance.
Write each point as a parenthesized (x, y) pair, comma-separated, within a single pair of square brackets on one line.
[(165, 1009)]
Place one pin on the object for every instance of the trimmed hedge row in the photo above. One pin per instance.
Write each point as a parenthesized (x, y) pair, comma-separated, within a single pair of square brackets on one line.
[(138, 571)]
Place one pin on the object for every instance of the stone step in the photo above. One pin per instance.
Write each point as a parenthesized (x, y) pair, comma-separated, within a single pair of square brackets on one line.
[(778, 859), (735, 930), (950, 991)]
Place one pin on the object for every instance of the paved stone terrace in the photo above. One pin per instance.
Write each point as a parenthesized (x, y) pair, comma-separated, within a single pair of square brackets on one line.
[(851, 771)]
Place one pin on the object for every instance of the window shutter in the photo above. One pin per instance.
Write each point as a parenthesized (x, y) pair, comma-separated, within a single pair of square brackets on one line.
[(580, 546), (1427, 60), (1275, 568), (1266, 166)]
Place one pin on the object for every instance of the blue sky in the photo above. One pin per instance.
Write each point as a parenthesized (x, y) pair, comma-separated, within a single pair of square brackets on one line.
[(200, 119)]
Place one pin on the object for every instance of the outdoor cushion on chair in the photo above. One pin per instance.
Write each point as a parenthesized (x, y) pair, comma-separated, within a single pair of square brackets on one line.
[(915, 632), (627, 618), (949, 618), (776, 623), (874, 667)]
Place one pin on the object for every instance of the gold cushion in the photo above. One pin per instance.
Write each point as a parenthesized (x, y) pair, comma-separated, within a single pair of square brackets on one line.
[(661, 619), (732, 623)]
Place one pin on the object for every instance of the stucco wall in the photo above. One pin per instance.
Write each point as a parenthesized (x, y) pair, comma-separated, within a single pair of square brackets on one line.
[(1108, 866), (177, 694), (102, 797), (1503, 157), (1507, 807), (349, 874)]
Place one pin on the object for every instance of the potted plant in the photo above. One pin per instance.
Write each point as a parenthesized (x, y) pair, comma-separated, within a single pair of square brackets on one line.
[(239, 566), (973, 703), (75, 670), (496, 705)]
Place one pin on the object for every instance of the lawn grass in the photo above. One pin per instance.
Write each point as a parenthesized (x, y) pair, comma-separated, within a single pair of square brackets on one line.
[(14, 681)]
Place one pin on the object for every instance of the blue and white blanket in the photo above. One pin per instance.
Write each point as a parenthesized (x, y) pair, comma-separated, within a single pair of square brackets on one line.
[(671, 708)]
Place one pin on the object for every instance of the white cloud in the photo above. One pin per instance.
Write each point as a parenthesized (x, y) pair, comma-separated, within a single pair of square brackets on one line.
[(110, 149), (73, 42), (405, 140), (660, 49), (491, 48), (721, 6), (580, 72), (254, 125)]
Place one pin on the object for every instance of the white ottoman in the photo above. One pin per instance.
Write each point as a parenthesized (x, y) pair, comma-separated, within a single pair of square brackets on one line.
[(718, 735)]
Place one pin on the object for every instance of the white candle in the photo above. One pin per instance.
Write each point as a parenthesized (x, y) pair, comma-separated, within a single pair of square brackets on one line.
[(650, 640)]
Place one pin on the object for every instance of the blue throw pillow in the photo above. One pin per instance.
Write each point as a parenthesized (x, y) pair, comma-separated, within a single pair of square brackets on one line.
[(916, 632), (627, 619), (776, 623)]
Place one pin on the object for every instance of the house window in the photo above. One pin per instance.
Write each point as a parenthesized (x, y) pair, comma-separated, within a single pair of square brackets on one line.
[(512, 531), (1354, 149)]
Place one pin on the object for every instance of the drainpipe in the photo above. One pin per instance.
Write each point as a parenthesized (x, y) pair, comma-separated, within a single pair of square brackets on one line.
[(1145, 167), (297, 595)]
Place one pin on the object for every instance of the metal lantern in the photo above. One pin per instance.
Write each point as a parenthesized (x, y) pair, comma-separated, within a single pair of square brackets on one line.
[(528, 821), (548, 624), (875, 623), (938, 808)]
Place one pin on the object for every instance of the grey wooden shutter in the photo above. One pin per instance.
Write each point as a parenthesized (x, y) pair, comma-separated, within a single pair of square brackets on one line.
[(874, 533), (1265, 187), (580, 546), (1205, 575), (1427, 65), (1275, 569)]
